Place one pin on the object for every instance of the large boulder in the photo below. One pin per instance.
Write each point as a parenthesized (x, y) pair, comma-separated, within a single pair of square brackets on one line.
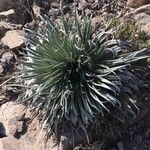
[(13, 39), (21, 133), (137, 3)]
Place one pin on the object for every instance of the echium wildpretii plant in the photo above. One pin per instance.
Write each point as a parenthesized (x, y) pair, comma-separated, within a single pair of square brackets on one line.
[(75, 76)]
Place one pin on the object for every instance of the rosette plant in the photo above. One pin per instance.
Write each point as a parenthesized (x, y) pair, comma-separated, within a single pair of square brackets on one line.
[(74, 76)]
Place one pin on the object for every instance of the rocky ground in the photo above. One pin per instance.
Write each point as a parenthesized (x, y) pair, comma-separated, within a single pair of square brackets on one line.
[(17, 131)]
